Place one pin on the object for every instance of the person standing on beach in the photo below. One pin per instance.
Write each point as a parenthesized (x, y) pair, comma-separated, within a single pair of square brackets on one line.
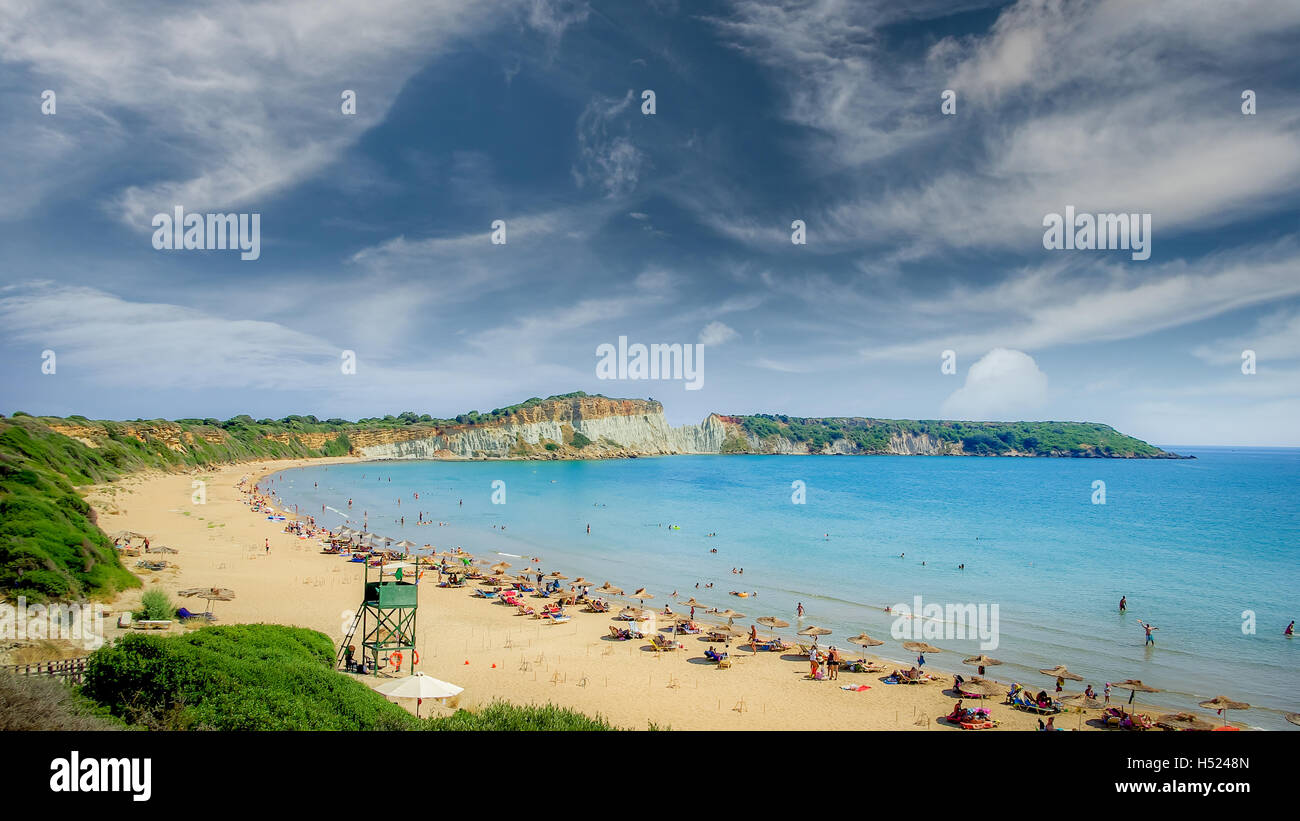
[(1123, 603), (268, 545), (1108, 692), (920, 660), (1150, 638)]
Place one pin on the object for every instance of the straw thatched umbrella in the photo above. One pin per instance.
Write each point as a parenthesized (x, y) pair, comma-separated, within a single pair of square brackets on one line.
[(556, 575), (731, 615), (772, 621), (1082, 701), (1135, 686), (864, 640), (406, 545), (981, 661), (1294, 718), (725, 630), (920, 647), (814, 630), (583, 581), (630, 613), (980, 687), (691, 602), (1224, 704), (1184, 721), (500, 567), (1059, 671), (610, 589), (209, 594), (643, 594)]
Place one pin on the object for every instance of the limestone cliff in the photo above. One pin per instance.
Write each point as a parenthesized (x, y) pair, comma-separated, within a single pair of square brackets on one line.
[(578, 426)]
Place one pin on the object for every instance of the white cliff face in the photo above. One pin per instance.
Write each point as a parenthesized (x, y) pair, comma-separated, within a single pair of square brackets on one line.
[(647, 433)]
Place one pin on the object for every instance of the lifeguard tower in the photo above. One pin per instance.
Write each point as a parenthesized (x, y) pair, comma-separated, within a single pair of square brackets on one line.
[(386, 618)]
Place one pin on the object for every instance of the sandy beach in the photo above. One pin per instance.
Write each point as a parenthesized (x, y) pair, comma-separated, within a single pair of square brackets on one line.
[(488, 649)]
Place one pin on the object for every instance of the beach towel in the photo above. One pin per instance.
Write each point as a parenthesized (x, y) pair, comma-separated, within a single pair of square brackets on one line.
[(860, 688)]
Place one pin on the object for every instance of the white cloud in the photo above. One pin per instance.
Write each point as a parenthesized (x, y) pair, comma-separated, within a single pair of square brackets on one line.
[(1276, 337), (716, 333), (1064, 305), (611, 162), (242, 98), (1003, 385)]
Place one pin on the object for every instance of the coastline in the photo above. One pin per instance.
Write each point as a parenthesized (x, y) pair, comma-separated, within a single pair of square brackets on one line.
[(486, 648)]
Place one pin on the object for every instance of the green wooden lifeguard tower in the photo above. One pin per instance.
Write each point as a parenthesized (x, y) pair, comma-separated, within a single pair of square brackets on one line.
[(386, 618)]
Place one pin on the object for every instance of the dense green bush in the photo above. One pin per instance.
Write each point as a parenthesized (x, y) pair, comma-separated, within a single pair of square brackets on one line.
[(579, 440), (155, 605), (236, 677)]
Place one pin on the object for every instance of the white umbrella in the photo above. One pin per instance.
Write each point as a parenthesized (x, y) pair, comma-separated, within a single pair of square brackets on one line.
[(419, 686)]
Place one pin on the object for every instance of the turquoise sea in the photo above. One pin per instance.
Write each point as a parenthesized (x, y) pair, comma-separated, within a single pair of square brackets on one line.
[(1197, 546)]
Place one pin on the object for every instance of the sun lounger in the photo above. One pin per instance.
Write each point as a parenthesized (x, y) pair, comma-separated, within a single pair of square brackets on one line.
[(153, 624), (662, 643), (1022, 701)]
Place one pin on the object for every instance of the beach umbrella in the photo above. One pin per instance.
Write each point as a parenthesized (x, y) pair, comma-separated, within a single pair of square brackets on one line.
[(1059, 671), (500, 567), (813, 630), (980, 688), (642, 594), (731, 615), (1224, 704), (630, 613), (419, 686), (773, 622), (1082, 701), (209, 594), (582, 581), (981, 661), (864, 641), (1135, 686), (691, 603), (1184, 721), (406, 545), (920, 647), (1294, 718), (610, 589), (557, 575)]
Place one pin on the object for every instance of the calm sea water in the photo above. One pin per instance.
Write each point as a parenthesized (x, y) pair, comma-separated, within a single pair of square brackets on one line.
[(1193, 545)]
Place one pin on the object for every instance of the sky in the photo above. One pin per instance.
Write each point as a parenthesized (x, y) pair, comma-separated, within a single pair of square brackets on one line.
[(923, 221)]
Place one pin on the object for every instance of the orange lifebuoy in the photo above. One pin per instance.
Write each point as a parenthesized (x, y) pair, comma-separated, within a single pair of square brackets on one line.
[(415, 656), (396, 659)]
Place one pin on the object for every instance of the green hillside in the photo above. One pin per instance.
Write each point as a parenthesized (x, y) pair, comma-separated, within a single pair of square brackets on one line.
[(974, 438)]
